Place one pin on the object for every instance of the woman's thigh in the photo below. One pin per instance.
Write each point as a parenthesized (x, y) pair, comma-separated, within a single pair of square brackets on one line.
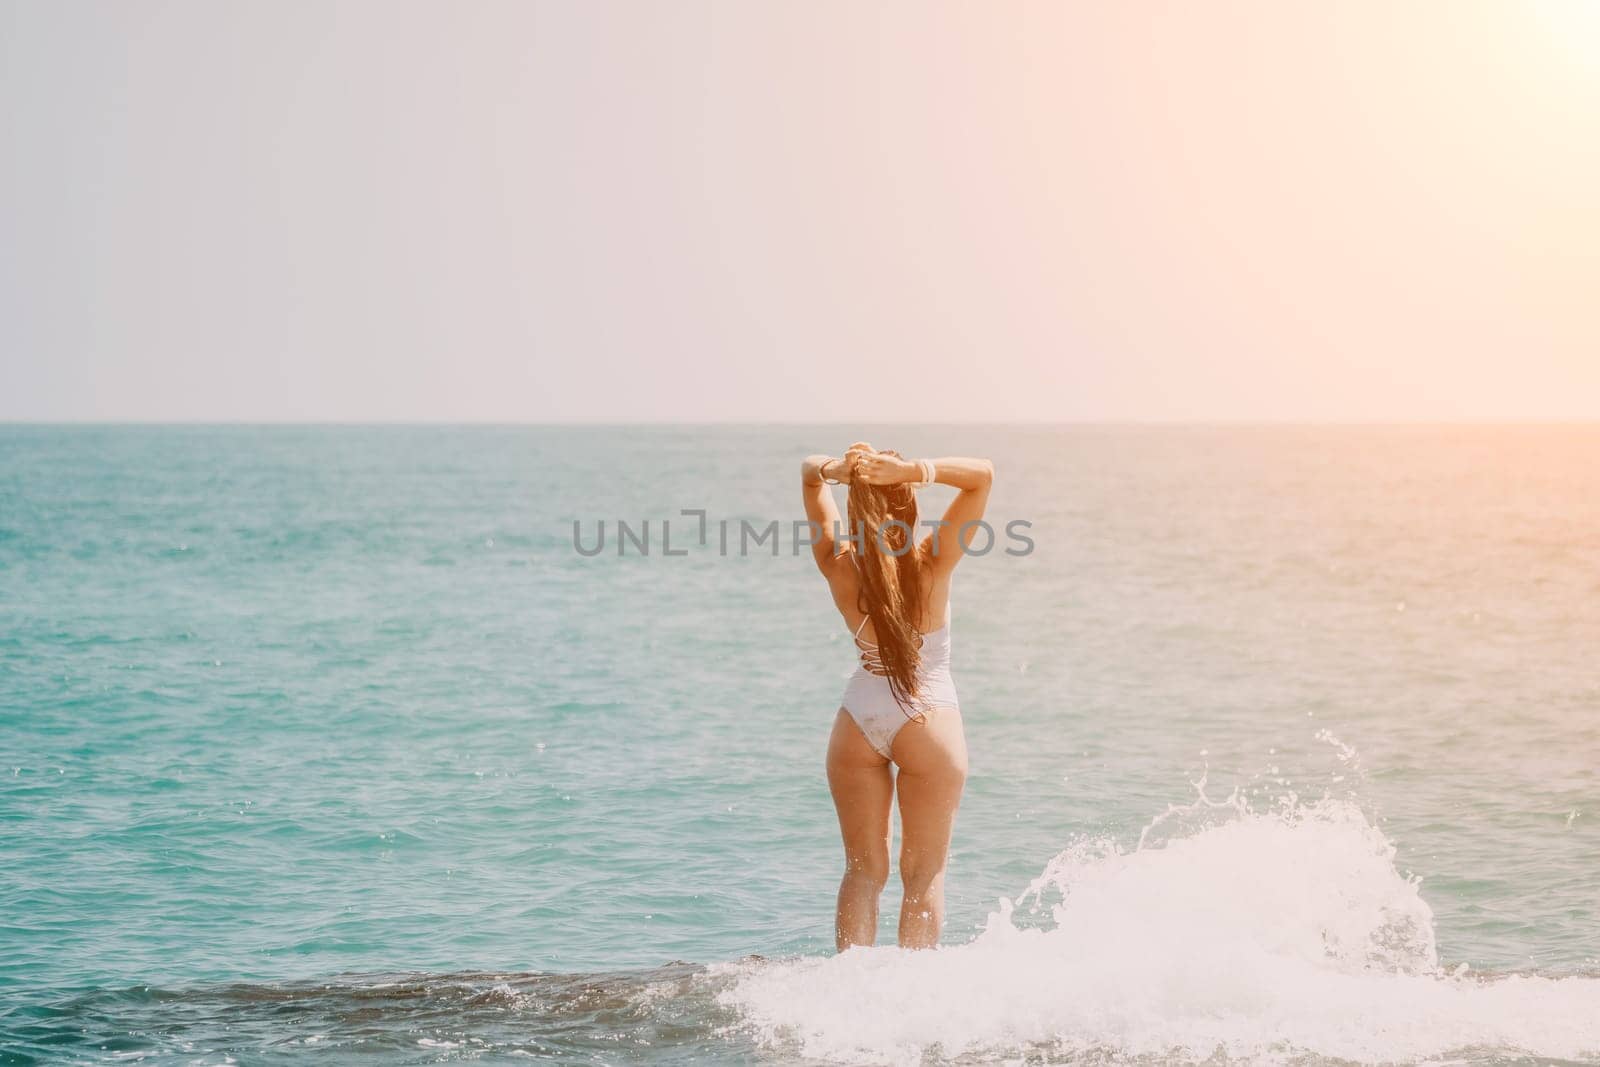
[(932, 756), (863, 793)]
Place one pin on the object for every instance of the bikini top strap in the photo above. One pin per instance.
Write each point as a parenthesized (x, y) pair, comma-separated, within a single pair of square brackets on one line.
[(864, 620)]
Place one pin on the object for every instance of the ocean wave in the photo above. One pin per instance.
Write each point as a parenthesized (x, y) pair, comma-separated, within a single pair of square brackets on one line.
[(1252, 935)]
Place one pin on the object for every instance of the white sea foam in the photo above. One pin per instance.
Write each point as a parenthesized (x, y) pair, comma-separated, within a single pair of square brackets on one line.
[(1263, 936)]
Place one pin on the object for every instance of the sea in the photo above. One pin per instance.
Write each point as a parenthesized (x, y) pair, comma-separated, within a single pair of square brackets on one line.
[(418, 744)]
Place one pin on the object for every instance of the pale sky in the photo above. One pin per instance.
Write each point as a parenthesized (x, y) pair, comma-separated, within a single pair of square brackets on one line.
[(350, 211)]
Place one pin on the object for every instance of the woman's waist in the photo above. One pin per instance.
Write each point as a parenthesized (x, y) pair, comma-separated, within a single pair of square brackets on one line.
[(927, 673)]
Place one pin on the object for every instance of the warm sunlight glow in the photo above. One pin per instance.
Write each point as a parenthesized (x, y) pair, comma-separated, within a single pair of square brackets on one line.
[(1574, 27), (1232, 210)]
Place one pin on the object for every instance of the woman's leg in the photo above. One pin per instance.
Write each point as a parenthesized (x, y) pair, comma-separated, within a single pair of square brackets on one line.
[(863, 793), (933, 769)]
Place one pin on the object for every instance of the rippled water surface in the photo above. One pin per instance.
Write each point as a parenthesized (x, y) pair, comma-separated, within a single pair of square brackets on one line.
[(324, 744)]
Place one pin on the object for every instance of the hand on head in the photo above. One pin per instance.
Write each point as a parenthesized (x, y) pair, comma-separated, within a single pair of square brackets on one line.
[(853, 458), (871, 467), (865, 464), (882, 468)]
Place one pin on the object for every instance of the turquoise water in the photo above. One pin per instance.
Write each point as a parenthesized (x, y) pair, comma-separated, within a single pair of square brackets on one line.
[(325, 743)]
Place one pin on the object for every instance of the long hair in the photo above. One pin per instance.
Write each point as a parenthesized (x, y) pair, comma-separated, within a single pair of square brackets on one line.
[(884, 517)]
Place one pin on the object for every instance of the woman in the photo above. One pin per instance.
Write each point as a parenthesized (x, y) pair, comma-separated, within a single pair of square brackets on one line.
[(900, 705)]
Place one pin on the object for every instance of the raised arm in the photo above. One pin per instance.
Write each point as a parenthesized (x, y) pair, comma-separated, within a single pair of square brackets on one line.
[(971, 476), (815, 473), (820, 507)]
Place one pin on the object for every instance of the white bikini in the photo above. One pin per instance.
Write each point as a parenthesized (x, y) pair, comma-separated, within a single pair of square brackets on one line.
[(870, 701)]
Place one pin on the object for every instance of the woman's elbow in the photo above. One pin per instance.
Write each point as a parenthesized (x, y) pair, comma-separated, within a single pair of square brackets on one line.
[(986, 472)]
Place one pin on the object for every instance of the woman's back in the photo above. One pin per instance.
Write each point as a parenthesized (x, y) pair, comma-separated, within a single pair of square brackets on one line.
[(933, 613)]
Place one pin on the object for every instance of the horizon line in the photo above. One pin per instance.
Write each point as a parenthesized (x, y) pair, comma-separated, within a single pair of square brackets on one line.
[(610, 421)]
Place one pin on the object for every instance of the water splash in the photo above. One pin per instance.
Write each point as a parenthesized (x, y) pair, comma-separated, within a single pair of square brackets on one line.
[(1256, 935)]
